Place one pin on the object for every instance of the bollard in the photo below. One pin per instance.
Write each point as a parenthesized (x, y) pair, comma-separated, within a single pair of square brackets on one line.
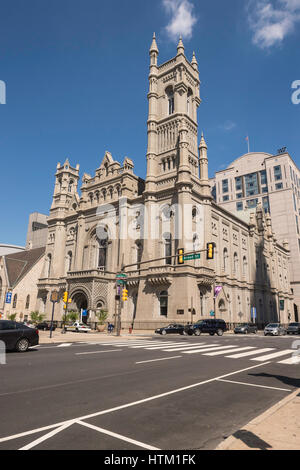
[(2, 353)]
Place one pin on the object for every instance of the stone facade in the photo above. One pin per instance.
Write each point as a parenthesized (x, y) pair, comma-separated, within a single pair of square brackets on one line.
[(120, 222), (273, 181)]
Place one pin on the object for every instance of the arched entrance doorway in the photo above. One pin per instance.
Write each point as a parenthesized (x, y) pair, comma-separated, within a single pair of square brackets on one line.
[(81, 302)]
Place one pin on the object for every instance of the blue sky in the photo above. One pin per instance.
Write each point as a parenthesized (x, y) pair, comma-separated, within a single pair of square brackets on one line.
[(76, 75)]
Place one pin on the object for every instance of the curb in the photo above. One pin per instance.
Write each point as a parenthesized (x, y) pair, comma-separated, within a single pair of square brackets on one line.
[(225, 445)]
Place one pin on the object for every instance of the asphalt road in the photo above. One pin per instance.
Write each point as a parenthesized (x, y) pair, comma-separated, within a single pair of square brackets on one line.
[(186, 394)]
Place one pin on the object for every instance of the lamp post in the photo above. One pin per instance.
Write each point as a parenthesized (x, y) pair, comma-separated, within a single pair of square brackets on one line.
[(53, 299)]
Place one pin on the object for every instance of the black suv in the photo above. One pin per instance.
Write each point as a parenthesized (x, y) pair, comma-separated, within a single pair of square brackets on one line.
[(210, 326)]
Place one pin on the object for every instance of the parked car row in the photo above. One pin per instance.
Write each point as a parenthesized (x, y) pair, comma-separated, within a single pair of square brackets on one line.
[(211, 326), (216, 326)]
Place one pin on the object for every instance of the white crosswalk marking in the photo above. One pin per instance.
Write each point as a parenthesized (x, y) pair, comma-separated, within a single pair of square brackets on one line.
[(64, 345), (183, 348), (156, 346), (218, 353), (208, 349), (162, 346), (251, 353), (273, 355), (292, 360)]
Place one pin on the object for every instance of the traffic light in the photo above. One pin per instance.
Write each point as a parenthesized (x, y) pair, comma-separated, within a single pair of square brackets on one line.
[(181, 256), (210, 251), (124, 295), (65, 297)]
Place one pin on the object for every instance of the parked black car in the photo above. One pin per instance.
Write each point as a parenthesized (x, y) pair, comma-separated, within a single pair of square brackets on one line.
[(210, 326), (45, 326), (245, 328), (18, 336), (293, 329), (172, 328)]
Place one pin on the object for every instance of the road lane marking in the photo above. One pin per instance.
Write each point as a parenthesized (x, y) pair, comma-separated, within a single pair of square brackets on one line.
[(273, 355), (208, 349), (218, 353), (98, 352), (117, 436), (255, 385), (154, 360), (47, 436), (64, 345), (128, 405), (251, 353)]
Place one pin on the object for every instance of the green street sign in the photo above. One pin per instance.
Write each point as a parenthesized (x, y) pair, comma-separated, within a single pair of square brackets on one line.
[(121, 276), (191, 257)]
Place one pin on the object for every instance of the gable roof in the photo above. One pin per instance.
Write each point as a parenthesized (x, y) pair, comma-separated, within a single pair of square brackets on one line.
[(19, 264)]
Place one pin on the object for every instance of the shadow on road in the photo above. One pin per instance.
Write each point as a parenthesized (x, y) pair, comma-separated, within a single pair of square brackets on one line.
[(286, 380)]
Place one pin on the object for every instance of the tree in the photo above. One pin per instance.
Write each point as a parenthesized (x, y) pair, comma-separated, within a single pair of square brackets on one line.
[(72, 316), (12, 317), (101, 316), (36, 317)]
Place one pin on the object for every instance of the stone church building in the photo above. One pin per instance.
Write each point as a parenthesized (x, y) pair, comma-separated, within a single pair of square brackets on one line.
[(119, 221)]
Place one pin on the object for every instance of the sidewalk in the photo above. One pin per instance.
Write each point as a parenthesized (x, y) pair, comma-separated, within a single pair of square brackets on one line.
[(276, 429), (72, 337)]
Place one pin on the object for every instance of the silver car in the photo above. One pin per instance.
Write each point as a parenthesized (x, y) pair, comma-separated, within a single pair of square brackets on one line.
[(274, 329)]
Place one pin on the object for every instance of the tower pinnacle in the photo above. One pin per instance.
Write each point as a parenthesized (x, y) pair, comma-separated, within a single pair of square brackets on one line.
[(154, 47), (194, 62), (180, 47)]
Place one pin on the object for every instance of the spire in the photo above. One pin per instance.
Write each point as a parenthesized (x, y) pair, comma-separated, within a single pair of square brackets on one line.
[(202, 144), (194, 62), (180, 47), (154, 47)]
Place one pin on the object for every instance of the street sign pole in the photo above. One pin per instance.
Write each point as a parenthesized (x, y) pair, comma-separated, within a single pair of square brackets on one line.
[(54, 299)]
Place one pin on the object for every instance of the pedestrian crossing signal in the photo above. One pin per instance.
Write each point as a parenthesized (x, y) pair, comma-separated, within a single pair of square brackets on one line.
[(210, 251), (124, 295), (181, 256)]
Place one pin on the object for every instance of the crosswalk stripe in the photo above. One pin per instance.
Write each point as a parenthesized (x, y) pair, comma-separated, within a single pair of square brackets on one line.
[(183, 348), (218, 353), (251, 353), (291, 360), (208, 349), (64, 345), (156, 345), (162, 346), (273, 355)]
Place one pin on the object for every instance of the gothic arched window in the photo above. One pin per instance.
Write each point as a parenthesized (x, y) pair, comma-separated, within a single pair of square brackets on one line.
[(225, 257), (235, 263), (168, 247), (15, 299), (27, 302), (170, 96), (102, 253), (48, 265)]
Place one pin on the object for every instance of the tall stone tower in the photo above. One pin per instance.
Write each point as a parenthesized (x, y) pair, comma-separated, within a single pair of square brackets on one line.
[(174, 96), (64, 203)]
